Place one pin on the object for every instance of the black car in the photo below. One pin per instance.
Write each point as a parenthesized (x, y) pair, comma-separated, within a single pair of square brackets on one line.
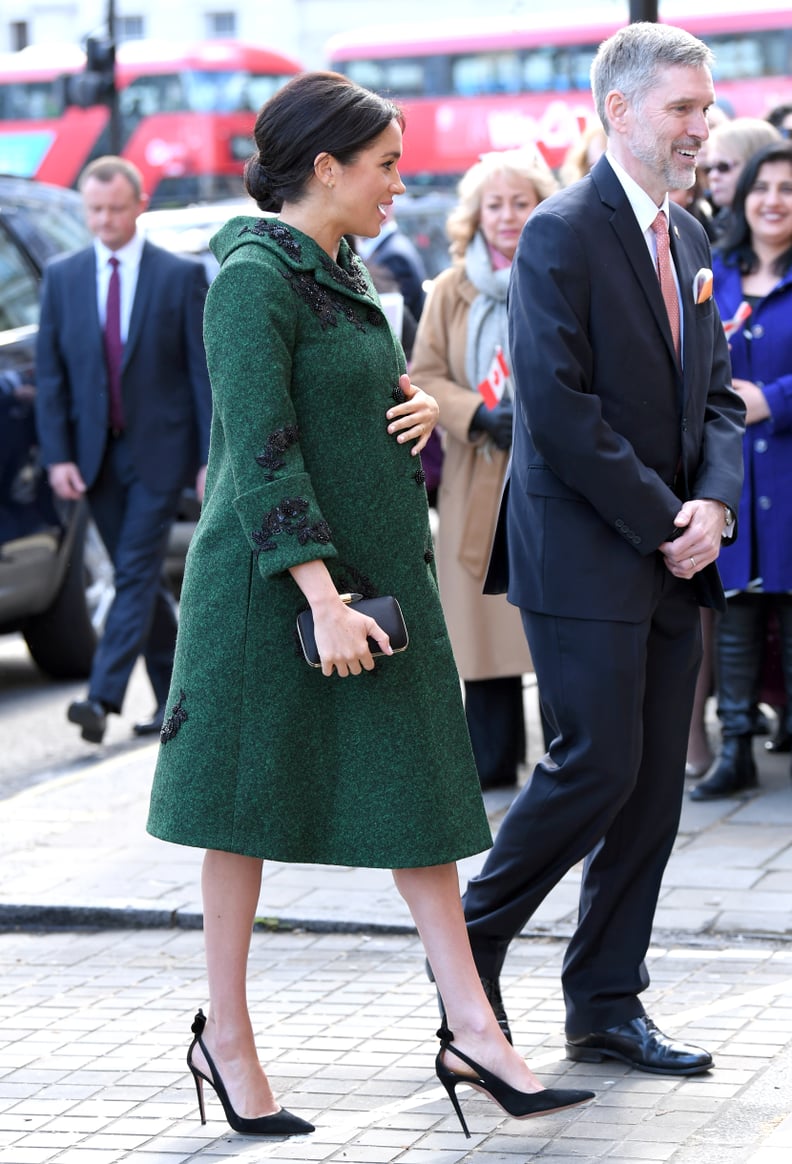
[(55, 579)]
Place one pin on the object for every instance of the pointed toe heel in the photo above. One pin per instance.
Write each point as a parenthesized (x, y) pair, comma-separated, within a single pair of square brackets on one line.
[(280, 1123), (520, 1105)]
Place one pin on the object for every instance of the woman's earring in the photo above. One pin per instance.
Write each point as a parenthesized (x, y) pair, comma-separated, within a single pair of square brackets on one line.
[(331, 185)]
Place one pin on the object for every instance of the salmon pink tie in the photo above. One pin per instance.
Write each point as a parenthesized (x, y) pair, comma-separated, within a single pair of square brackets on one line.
[(666, 276), (114, 347)]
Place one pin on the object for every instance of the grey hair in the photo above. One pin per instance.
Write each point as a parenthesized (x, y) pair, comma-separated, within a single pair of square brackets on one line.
[(630, 60)]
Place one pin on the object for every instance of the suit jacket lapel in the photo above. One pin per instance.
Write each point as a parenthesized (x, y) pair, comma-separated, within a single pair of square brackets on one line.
[(685, 274), (143, 290), (86, 277), (625, 226)]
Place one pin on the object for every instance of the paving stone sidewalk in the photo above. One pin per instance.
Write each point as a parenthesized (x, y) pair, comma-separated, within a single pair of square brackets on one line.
[(94, 1029), (99, 989)]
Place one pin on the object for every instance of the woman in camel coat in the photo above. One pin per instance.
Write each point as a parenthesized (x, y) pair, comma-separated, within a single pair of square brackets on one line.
[(461, 334)]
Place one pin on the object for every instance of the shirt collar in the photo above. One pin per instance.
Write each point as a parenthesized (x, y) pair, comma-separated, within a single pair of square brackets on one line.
[(128, 255), (644, 207)]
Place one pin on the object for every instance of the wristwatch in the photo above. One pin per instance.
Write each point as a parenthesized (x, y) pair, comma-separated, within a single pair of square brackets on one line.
[(729, 519)]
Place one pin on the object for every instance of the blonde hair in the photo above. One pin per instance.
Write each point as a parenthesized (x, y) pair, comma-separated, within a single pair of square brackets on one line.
[(527, 164), (576, 163), (740, 138)]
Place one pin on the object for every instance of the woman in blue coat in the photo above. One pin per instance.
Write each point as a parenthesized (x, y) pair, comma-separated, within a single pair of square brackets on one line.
[(753, 266)]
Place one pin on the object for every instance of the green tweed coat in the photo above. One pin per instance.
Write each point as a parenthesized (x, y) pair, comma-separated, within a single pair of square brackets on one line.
[(262, 754)]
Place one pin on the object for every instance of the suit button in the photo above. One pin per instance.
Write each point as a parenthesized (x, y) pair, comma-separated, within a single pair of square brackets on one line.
[(765, 503), (758, 331), (760, 446)]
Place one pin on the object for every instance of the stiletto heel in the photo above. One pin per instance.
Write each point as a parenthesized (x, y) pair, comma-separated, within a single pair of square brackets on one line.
[(280, 1123), (198, 1087), (521, 1105)]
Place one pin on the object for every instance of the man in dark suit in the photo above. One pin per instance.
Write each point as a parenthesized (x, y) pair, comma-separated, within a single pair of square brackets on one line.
[(626, 468), (123, 409)]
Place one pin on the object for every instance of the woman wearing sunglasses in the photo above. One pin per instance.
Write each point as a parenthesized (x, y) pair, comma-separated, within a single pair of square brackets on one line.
[(730, 146)]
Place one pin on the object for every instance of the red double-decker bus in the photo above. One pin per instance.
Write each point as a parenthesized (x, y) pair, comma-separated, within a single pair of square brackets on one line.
[(468, 87), (186, 114)]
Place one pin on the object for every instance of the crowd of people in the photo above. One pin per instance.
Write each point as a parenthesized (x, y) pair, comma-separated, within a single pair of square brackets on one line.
[(614, 410)]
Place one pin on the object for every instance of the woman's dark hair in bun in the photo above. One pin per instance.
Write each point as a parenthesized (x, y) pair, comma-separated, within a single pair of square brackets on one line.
[(314, 113)]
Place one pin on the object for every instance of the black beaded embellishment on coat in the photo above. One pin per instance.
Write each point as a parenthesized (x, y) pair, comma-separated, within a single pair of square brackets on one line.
[(398, 395), (270, 458), (420, 476), (177, 717), (428, 556), (325, 306), (289, 518), (352, 280), (280, 234)]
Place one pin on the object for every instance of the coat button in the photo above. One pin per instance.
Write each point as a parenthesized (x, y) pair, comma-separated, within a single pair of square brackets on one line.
[(758, 331), (760, 446), (765, 503)]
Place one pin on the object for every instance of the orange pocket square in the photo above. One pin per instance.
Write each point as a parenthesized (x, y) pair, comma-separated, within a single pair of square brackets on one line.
[(702, 285)]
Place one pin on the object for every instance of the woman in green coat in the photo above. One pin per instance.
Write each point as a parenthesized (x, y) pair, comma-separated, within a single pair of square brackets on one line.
[(314, 489)]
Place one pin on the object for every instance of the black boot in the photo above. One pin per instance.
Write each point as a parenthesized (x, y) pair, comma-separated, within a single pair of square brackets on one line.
[(735, 771)]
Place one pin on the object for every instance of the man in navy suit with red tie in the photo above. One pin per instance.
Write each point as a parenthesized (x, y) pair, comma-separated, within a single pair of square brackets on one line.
[(625, 473), (123, 409)]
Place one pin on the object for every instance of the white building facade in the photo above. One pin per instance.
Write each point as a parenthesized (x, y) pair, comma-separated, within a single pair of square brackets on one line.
[(298, 28)]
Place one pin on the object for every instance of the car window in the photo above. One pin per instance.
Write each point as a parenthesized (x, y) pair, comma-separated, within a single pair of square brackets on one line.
[(18, 287), (47, 234)]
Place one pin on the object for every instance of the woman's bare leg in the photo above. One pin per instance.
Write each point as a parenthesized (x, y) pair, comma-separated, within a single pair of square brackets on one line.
[(432, 894), (231, 885)]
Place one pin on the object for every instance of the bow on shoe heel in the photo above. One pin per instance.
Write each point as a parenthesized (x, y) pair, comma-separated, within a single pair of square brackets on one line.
[(521, 1105), (280, 1123)]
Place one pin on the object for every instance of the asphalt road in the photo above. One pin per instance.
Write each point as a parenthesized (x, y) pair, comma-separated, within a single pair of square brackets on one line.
[(36, 740)]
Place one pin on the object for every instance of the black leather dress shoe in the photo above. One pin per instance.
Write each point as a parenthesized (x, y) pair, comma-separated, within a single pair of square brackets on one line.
[(153, 726), (492, 991), (91, 717), (643, 1045)]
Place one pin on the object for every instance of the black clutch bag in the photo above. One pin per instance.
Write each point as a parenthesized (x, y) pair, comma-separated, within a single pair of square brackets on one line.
[(385, 611)]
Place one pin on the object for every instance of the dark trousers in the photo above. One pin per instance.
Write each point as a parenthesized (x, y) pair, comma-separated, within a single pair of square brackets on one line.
[(134, 524), (496, 723), (740, 651), (619, 698)]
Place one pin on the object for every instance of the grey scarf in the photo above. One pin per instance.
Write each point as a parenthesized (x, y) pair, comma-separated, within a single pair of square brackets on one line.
[(487, 328)]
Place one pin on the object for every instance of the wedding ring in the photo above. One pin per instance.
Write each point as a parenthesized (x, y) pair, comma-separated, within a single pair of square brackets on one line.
[(693, 563)]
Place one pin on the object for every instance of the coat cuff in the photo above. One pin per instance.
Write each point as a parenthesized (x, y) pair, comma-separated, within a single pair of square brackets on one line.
[(284, 525)]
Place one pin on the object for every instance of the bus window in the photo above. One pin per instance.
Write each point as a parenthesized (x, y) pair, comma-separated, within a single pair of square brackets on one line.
[(146, 96), (258, 88), (29, 101), (758, 54), (485, 73), (539, 71), (580, 62)]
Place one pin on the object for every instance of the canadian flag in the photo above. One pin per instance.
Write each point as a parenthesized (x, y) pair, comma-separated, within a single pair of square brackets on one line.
[(492, 386), (730, 326)]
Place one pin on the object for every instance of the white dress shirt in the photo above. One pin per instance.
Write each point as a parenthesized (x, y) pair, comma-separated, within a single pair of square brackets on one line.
[(129, 263)]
